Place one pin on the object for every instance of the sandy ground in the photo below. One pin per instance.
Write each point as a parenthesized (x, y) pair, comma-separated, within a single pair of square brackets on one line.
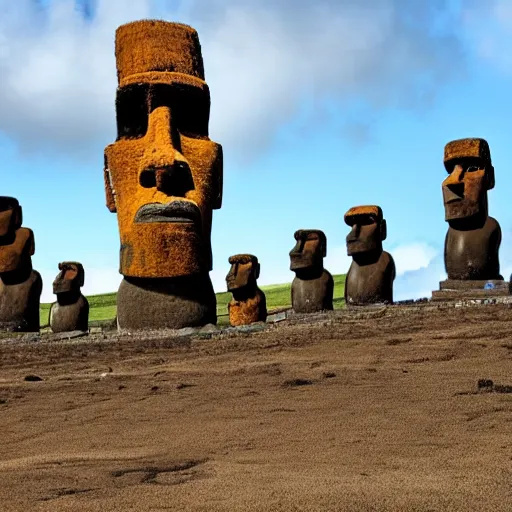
[(380, 414)]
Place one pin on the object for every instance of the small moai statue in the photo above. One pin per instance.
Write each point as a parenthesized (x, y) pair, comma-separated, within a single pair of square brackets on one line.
[(372, 272), (248, 304), (163, 178), (71, 311), (20, 285), (313, 286), (473, 238)]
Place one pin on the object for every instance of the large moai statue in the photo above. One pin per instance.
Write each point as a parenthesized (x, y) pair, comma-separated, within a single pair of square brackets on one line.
[(163, 177), (20, 285), (313, 286), (473, 238), (249, 304), (71, 311), (372, 272)]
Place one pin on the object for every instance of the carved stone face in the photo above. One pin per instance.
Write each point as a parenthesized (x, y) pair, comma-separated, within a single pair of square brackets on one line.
[(471, 174), (163, 175), (70, 278), (17, 255), (310, 249), (244, 271), (368, 229), (10, 216)]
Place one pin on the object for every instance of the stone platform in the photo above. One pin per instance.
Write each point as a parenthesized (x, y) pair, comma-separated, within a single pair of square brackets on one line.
[(454, 290)]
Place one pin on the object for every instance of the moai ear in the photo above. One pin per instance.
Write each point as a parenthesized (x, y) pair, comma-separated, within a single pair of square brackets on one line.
[(257, 271), (218, 179), (109, 191), (383, 230), (489, 172), (18, 217), (81, 275), (31, 244)]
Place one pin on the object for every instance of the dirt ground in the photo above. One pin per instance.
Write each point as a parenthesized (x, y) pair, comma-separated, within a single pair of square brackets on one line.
[(379, 414)]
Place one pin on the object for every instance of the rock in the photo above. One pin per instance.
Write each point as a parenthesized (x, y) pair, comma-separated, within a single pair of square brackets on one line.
[(186, 331), (68, 335), (33, 378)]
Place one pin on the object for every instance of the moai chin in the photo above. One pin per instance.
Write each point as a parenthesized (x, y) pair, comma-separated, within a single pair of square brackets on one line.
[(473, 238), (313, 286), (20, 285), (248, 304), (71, 311), (163, 177), (372, 272)]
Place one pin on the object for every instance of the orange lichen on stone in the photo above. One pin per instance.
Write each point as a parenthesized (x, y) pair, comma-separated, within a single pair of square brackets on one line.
[(248, 304), (164, 249), (14, 255), (154, 45), (466, 148), (355, 211), (152, 166), (243, 259), (243, 312), (157, 77)]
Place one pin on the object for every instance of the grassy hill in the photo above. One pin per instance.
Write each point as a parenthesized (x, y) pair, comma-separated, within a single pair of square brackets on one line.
[(103, 307)]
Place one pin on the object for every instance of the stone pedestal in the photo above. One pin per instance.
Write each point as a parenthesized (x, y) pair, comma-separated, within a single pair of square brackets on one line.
[(453, 290)]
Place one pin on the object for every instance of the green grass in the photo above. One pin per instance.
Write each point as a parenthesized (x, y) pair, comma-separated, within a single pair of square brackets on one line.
[(103, 307)]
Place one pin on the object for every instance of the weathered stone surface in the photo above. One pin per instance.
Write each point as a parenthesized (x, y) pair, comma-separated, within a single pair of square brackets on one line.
[(163, 177), (20, 285), (456, 284), (313, 286), (71, 311), (171, 303), (372, 272), (249, 304), (473, 238), (68, 335)]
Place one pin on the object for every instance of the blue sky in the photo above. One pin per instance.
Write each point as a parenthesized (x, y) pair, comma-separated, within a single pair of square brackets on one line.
[(319, 106)]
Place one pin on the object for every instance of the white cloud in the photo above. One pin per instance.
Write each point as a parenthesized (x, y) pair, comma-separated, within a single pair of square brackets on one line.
[(414, 256), (262, 60), (488, 28)]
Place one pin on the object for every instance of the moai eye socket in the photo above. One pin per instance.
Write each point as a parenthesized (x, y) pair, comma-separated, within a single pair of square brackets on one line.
[(473, 168), (132, 111), (189, 106)]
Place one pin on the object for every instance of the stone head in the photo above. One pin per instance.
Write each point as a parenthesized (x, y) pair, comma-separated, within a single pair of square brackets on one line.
[(471, 175), (70, 277), (244, 271), (17, 256), (368, 229), (310, 249), (163, 174), (10, 216)]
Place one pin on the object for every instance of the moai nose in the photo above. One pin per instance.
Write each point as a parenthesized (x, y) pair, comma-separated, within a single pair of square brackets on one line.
[(454, 185), (164, 167)]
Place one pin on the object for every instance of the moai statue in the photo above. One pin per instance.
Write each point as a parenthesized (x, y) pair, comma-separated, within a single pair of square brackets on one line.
[(313, 286), (163, 177), (473, 238), (71, 311), (372, 272), (20, 285), (248, 304)]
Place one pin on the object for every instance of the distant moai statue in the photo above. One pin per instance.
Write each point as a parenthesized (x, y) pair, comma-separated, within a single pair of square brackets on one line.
[(163, 177), (71, 311), (313, 286), (20, 285), (249, 304), (372, 272), (473, 238)]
